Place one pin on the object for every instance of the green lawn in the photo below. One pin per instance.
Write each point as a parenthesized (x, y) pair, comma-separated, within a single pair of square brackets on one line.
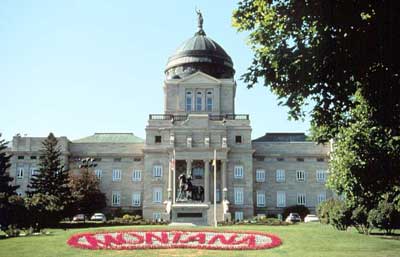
[(298, 240)]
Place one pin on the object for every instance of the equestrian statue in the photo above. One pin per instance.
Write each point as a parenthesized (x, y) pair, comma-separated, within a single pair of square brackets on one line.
[(188, 191)]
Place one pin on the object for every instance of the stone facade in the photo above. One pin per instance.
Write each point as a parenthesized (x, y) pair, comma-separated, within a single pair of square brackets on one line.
[(198, 135)]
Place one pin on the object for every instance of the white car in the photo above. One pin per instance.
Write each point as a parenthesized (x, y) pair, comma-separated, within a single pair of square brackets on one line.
[(98, 217), (311, 218)]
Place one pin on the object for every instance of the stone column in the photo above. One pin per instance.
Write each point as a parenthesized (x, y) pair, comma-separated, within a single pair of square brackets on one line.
[(223, 177), (188, 168), (206, 181), (170, 180)]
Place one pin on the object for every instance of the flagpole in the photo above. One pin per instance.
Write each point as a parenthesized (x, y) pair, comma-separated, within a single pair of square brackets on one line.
[(215, 187)]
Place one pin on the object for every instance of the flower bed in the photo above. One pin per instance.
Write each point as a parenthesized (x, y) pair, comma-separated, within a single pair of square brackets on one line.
[(145, 239)]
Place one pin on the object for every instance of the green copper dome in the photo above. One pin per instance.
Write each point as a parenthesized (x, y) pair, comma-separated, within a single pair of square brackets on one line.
[(199, 53)]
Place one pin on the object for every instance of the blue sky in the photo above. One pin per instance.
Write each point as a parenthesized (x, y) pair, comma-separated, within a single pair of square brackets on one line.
[(79, 67)]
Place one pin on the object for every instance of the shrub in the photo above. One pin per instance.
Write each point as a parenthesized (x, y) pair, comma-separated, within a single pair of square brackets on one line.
[(300, 209), (338, 214), (323, 210), (384, 216), (359, 218)]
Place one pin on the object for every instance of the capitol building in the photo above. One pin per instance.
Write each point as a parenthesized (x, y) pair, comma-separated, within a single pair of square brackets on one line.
[(199, 136)]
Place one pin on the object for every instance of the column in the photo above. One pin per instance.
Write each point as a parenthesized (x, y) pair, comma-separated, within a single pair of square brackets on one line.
[(223, 177), (170, 180), (188, 168), (206, 181)]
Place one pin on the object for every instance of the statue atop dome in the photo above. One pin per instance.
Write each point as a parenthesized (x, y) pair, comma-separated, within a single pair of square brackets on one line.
[(200, 21)]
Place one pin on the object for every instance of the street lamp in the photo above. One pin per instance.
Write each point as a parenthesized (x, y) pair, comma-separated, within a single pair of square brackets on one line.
[(87, 163)]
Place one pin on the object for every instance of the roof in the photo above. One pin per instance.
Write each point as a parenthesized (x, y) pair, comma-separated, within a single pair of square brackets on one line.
[(110, 138), (282, 137), (199, 53)]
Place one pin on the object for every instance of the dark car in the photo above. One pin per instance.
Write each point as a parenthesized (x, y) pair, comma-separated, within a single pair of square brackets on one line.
[(293, 217)]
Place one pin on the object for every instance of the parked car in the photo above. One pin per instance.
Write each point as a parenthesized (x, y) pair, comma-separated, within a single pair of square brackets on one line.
[(79, 217), (311, 218), (293, 217), (98, 217)]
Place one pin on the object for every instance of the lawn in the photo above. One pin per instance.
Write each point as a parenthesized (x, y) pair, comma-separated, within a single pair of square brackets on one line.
[(298, 240)]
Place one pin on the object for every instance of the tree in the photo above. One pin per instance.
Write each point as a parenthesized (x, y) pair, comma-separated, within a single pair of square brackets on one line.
[(320, 53), (49, 195), (86, 191), (341, 58), (365, 161), (7, 191)]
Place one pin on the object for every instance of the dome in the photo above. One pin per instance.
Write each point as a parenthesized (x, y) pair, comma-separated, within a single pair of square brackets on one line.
[(199, 53)]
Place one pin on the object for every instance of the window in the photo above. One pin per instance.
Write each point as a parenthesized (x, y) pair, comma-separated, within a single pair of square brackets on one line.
[(300, 175), (117, 159), (238, 172), (280, 159), (280, 199), (238, 139), (19, 192), (209, 105), (99, 173), (301, 199), (21, 157), (116, 175), (116, 198), (321, 197), (260, 175), (33, 157), (260, 199), (238, 195), (136, 159), (20, 173), (198, 173), (189, 101), (218, 194), (199, 100), (321, 175), (156, 216), (97, 159), (259, 158), (157, 171), (157, 195), (238, 215), (320, 159), (280, 175), (136, 199), (157, 139), (136, 175), (34, 171), (300, 159)]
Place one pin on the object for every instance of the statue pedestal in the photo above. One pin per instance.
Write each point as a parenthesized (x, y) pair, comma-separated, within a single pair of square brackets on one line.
[(190, 213)]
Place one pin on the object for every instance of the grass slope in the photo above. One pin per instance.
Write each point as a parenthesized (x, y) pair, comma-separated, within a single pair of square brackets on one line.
[(298, 240)]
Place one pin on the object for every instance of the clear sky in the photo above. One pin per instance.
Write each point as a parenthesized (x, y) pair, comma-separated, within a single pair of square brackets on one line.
[(76, 67)]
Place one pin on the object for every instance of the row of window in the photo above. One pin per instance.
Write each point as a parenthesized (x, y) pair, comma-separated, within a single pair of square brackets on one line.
[(136, 197), (21, 172), (281, 198), (238, 139), (320, 175), (116, 199), (280, 159), (199, 99)]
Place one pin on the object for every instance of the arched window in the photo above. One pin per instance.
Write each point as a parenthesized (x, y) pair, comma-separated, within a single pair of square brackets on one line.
[(209, 101), (188, 101), (199, 101)]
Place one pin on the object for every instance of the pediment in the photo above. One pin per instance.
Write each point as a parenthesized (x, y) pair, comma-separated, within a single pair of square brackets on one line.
[(200, 78)]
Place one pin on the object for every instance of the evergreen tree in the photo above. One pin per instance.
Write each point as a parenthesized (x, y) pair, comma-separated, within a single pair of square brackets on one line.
[(49, 195), (6, 189)]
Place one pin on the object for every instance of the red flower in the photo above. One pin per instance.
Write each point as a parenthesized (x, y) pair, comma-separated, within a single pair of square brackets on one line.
[(161, 238)]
